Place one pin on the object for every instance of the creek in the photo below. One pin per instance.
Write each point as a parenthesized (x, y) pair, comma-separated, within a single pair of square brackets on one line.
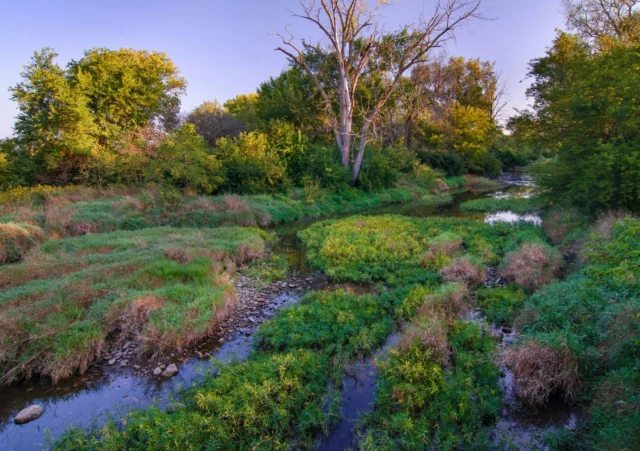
[(106, 391)]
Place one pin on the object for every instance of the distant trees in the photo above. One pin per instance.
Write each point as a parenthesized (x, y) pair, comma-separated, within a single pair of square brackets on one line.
[(357, 47), (212, 121)]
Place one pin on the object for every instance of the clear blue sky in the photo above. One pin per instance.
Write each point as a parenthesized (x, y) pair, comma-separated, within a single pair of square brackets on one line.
[(223, 47)]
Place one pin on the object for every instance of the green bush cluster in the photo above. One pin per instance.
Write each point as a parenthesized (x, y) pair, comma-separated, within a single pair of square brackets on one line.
[(491, 205)]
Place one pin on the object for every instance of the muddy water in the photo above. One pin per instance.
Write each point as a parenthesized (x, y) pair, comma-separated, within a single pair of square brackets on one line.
[(104, 391)]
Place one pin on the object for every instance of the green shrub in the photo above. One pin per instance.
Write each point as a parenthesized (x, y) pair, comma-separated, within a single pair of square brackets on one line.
[(501, 304), (491, 205), (377, 172), (420, 404), (251, 165), (448, 162)]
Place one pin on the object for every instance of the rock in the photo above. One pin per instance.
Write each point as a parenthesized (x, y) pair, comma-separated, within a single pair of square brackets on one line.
[(29, 414), (157, 371), (221, 341), (112, 362), (171, 371), (507, 330), (137, 367), (252, 319)]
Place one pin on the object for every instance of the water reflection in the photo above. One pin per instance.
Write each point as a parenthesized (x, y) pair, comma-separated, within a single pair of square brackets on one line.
[(510, 217)]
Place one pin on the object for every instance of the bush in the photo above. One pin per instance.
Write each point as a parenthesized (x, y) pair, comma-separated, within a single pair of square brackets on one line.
[(562, 222), (501, 304), (448, 162), (16, 240), (484, 163), (532, 266), (463, 270), (250, 165), (318, 164), (377, 171), (491, 205), (542, 370)]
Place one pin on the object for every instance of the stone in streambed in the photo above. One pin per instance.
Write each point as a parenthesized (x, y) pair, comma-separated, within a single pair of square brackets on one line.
[(171, 371), (157, 371), (29, 414)]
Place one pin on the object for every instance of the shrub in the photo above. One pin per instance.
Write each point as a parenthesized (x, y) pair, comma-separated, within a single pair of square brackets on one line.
[(16, 240), (430, 332), (463, 270), (376, 172), (562, 222), (532, 266), (250, 165), (448, 162), (491, 205), (318, 164), (542, 370), (501, 304)]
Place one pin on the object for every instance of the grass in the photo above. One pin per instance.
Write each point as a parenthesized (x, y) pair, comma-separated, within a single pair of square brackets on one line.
[(398, 249), (532, 265), (492, 205), (167, 287)]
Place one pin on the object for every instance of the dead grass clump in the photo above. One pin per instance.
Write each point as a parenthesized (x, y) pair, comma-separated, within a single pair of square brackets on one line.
[(16, 240), (129, 318), (532, 266), (233, 202), (431, 332), (604, 225), (464, 270), (263, 218), (451, 301), (178, 255), (542, 371), (441, 187), (82, 228)]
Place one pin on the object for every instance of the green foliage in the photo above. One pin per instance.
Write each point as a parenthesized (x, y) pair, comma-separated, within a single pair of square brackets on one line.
[(164, 285), (270, 402), (389, 248), (70, 120), (265, 271), (251, 166), (448, 162), (491, 204), (584, 106), (420, 404), (185, 161), (335, 323), (501, 304), (377, 172), (320, 165)]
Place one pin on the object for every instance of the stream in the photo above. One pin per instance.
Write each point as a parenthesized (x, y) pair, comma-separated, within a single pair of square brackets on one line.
[(109, 391)]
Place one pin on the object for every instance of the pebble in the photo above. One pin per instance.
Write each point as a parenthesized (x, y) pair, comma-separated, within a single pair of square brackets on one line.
[(157, 371), (29, 414), (112, 362)]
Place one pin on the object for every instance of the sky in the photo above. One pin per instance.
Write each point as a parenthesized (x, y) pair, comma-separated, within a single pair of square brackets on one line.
[(226, 47)]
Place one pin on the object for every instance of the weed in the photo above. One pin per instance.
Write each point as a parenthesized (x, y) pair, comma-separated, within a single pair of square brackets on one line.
[(532, 266), (16, 240), (464, 270)]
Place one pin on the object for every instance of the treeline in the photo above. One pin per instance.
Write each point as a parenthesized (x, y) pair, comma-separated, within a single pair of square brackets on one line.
[(112, 117)]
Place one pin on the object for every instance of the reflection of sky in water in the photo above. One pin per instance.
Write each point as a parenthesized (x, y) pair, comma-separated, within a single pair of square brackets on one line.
[(508, 216)]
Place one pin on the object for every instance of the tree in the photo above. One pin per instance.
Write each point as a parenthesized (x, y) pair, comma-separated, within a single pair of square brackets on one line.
[(212, 122), (71, 119), (356, 42), (604, 22), (243, 108)]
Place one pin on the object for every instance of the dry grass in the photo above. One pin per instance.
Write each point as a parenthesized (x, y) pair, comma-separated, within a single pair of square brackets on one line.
[(532, 266), (604, 225), (542, 371), (450, 301), (431, 332), (16, 240), (233, 202), (465, 271)]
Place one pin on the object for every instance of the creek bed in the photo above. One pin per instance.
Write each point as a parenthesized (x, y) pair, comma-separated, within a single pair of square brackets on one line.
[(108, 391)]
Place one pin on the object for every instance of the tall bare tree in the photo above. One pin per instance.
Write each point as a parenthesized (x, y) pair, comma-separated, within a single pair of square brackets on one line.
[(354, 36)]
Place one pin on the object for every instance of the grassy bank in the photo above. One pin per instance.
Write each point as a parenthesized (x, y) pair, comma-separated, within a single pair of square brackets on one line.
[(492, 205), (166, 286)]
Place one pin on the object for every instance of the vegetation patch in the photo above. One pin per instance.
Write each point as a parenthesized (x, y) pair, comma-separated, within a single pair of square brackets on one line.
[(167, 287), (16, 240), (501, 304), (492, 205), (400, 249), (532, 265)]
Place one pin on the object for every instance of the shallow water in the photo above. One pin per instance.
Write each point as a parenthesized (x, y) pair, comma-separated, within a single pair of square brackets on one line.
[(107, 391)]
